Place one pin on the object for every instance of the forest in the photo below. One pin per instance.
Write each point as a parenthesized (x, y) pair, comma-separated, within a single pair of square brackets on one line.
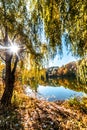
[(32, 33)]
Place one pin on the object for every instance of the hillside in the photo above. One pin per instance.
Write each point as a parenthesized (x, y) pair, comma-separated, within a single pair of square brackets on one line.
[(64, 71)]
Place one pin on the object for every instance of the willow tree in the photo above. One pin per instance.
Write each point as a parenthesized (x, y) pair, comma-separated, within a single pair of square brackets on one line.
[(74, 17), (8, 28), (67, 18), (16, 28), (63, 17), (28, 22)]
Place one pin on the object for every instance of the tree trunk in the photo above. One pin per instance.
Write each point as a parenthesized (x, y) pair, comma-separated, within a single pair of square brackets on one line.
[(9, 81), (6, 98), (9, 75)]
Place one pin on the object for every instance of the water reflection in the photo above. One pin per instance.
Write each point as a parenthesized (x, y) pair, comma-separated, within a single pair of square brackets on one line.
[(55, 89)]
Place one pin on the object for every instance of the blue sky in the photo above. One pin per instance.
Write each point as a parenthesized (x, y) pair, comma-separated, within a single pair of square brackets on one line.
[(59, 62)]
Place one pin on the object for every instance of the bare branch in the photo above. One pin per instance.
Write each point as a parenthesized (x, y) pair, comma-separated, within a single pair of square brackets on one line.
[(14, 37), (2, 32), (1, 44), (2, 58)]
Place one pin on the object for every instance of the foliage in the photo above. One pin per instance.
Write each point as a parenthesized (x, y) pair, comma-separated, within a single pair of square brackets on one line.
[(19, 98), (62, 18), (82, 70), (73, 15), (77, 69), (80, 103), (40, 25), (1, 68)]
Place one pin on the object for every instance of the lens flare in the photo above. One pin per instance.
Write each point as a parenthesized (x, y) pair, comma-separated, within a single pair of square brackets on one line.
[(14, 48)]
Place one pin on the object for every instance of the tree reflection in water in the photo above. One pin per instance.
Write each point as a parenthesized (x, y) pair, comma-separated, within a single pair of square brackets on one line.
[(67, 83)]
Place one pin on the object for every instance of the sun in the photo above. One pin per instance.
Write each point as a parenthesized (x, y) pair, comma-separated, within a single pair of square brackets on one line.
[(14, 48)]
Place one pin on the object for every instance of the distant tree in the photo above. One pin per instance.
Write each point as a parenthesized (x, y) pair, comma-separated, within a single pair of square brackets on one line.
[(65, 71)]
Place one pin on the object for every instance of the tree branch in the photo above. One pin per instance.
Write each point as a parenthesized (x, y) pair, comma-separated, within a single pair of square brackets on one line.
[(14, 37), (2, 32), (1, 44), (2, 58)]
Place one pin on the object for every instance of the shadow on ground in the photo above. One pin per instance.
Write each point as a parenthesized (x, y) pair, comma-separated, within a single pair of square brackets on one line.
[(10, 119)]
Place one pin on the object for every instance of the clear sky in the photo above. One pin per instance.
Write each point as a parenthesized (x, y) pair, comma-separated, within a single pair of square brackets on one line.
[(59, 62)]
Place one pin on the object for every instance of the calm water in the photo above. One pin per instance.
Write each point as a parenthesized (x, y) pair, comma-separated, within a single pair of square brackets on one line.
[(53, 93)]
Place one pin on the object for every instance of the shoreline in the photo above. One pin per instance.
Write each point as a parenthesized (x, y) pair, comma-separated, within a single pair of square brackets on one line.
[(27, 113)]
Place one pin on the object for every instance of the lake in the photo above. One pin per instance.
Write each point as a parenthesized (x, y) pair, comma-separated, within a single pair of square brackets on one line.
[(55, 89)]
